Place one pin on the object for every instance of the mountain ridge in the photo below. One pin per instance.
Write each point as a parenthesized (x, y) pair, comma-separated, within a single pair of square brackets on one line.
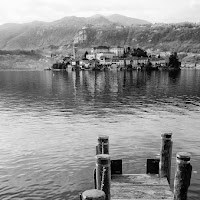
[(128, 21), (99, 30), (38, 34)]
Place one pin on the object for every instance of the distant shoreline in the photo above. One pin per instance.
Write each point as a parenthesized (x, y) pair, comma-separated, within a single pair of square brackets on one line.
[(37, 60), (27, 60)]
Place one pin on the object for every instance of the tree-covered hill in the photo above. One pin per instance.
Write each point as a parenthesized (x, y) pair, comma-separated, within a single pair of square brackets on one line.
[(34, 35), (165, 37), (99, 30)]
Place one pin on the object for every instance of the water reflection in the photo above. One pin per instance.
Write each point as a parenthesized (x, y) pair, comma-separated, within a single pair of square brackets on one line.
[(174, 75), (50, 120), (87, 83)]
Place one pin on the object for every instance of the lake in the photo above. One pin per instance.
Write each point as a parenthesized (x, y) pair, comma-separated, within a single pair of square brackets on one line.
[(50, 120)]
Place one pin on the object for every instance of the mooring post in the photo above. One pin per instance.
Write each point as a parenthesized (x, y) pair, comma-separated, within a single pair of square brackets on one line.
[(182, 176), (102, 145), (95, 179), (165, 156), (103, 174), (92, 194)]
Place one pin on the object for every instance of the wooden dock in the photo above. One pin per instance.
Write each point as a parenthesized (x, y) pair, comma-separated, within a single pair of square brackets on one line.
[(111, 184), (140, 186)]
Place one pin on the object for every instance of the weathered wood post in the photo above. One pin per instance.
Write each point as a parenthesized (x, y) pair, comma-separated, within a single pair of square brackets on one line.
[(95, 179), (102, 145), (103, 174), (165, 156), (93, 195), (182, 176)]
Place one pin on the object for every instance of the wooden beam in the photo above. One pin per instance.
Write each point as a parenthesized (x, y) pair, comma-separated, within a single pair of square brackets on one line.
[(140, 186)]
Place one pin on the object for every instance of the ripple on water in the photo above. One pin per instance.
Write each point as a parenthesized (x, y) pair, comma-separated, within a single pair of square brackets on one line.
[(50, 121)]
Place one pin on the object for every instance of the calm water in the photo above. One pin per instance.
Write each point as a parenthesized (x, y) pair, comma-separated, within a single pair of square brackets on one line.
[(49, 122)]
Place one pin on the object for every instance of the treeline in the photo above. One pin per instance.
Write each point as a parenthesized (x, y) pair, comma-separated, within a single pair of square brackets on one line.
[(19, 52)]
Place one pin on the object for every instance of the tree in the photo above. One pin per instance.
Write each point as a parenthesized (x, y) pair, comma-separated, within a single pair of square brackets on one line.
[(128, 50), (139, 53), (174, 61), (85, 54)]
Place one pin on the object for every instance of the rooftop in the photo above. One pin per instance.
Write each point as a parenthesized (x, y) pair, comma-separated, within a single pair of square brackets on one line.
[(101, 47)]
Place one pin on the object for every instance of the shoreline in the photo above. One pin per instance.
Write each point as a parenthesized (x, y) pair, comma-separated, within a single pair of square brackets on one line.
[(39, 61)]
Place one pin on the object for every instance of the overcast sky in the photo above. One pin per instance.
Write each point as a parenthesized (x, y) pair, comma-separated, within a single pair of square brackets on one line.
[(20, 11)]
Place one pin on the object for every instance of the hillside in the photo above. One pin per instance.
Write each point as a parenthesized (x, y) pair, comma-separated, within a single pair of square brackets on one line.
[(100, 30), (163, 37), (29, 60), (36, 34), (39, 34)]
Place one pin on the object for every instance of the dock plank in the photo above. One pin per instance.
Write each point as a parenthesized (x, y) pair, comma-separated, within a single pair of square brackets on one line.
[(140, 186)]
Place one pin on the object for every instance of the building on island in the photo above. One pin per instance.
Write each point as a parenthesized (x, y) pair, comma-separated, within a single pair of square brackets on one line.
[(135, 61), (115, 60), (105, 61), (107, 55), (118, 51), (158, 61), (100, 49), (90, 56), (99, 55), (115, 55)]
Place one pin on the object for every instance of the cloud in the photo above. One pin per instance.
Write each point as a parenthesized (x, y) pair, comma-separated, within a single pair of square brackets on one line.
[(194, 3)]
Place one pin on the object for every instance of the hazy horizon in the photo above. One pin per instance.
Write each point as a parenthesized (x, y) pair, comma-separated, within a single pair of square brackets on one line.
[(154, 11), (94, 15)]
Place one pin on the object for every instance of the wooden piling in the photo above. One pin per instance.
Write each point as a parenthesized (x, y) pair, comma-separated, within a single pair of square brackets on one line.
[(103, 174), (102, 145), (182, 176), (165, 156), (93, 194)]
